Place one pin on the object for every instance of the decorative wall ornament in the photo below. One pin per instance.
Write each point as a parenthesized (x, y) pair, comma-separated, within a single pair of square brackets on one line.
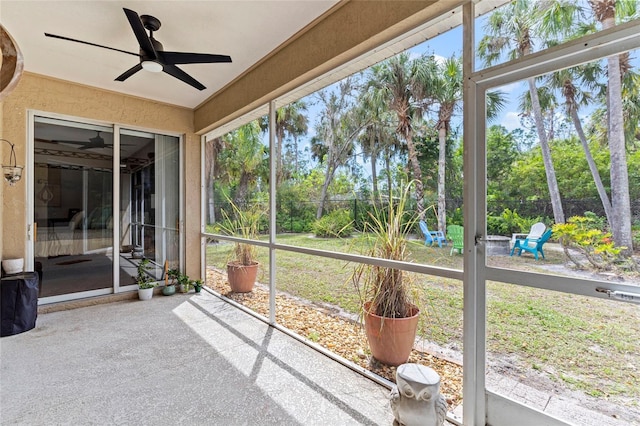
[(12, 64), (12, 172)]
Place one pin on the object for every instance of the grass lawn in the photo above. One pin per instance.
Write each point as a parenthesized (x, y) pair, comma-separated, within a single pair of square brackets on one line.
[(589, 344)]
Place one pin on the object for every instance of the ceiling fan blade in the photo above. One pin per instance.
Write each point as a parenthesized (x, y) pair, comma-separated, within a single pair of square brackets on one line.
[(90, 44), (174, 58), (140, 33), (183, 76), (70, 142), (128, 73)]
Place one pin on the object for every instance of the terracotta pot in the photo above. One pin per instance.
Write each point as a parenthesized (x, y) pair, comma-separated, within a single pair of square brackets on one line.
[(242, 278), (390, 339)]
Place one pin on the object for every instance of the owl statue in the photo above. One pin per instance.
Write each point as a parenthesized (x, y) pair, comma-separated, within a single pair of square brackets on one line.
[(416, 399)]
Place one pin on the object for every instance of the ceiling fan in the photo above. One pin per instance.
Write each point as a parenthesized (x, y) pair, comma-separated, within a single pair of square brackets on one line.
[(95, 142), (152, 55)]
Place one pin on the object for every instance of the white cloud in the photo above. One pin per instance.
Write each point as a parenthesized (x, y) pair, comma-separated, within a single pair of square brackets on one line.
[(509, 88), (439, 59), (511, 120)]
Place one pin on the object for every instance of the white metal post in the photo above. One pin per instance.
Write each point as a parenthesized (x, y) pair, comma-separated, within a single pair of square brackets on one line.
[(203, 208), (272, 212), (474, 408), (115, 211)]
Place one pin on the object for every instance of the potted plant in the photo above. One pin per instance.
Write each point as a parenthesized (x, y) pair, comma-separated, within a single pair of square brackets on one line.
[(243, 269), (144, 280), (197, 285), (390, 315), (170, 287), (184, 282)]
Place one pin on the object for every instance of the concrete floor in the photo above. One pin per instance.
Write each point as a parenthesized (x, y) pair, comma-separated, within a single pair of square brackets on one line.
[(185, 359)]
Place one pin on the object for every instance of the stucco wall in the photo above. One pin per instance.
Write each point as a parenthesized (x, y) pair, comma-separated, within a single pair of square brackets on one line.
[(44, 94)]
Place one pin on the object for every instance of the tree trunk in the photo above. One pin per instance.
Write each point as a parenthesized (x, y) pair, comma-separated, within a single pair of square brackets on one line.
[(442, 203), (417, 174), (295, 154), (325, 187), (552, 183), (387, 164), (210, 163), (606, 204), (243, 190), (620, 200), (279, 173), (374, 175)]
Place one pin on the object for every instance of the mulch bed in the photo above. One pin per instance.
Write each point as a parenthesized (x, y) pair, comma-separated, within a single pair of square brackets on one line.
[(341, 335)]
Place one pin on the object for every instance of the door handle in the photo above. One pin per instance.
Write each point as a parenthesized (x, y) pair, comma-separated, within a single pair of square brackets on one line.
[(627, 296)]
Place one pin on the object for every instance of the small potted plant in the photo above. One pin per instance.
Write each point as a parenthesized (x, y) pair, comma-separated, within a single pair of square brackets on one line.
[(184, 282), (197, 285), (170, 287), (243, 270), (144, 280), (390, 315)]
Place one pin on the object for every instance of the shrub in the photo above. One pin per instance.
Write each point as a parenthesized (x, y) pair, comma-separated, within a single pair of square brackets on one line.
[(336, 224), (583, 234), (509, 222)]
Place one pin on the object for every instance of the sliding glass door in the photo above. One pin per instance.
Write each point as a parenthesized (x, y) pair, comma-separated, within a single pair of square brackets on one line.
[(75, 231), (149, 202), (73, 207)]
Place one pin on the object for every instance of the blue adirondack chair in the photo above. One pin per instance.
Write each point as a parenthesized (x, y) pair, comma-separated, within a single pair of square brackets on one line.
[(532, 246), (431, 237)]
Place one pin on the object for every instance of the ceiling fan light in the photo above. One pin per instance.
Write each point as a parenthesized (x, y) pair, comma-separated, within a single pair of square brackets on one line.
[(152, 66)]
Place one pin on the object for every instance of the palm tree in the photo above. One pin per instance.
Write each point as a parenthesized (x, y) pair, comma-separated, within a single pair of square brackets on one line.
[(511, 31), (243, 156), (290, 120), (378, 136), (214, 171), (605, 13), (401, 81), (574, 98), (447, 93)]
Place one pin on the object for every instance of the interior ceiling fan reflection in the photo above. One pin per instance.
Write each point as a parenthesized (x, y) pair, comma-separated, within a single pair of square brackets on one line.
[(93, 143)]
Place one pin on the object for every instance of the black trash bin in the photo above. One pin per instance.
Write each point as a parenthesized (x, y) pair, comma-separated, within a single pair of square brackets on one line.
[(19, 303)]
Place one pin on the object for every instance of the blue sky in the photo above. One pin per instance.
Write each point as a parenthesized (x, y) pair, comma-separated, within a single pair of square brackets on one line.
[(450, 43)]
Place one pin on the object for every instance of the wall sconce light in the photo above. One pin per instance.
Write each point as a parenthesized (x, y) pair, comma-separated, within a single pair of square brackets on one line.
[(12, 173)]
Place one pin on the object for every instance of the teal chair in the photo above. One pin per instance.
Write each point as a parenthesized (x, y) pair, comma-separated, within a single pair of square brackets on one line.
[(431, 237), (533, 247), (456, 234)]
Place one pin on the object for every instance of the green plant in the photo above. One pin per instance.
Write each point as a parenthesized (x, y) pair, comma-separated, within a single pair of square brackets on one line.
[(143, 279), (336, 224), (386, 288), (197, 285), (173, 275), (582, 234), (509, 222), (184, 281), (244, 224)]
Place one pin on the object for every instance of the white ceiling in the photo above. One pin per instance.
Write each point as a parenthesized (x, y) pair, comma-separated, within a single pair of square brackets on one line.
[(246, 30)]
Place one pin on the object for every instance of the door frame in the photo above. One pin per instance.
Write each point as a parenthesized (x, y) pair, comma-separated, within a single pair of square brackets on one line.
[(30, 206), (480, 405)]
